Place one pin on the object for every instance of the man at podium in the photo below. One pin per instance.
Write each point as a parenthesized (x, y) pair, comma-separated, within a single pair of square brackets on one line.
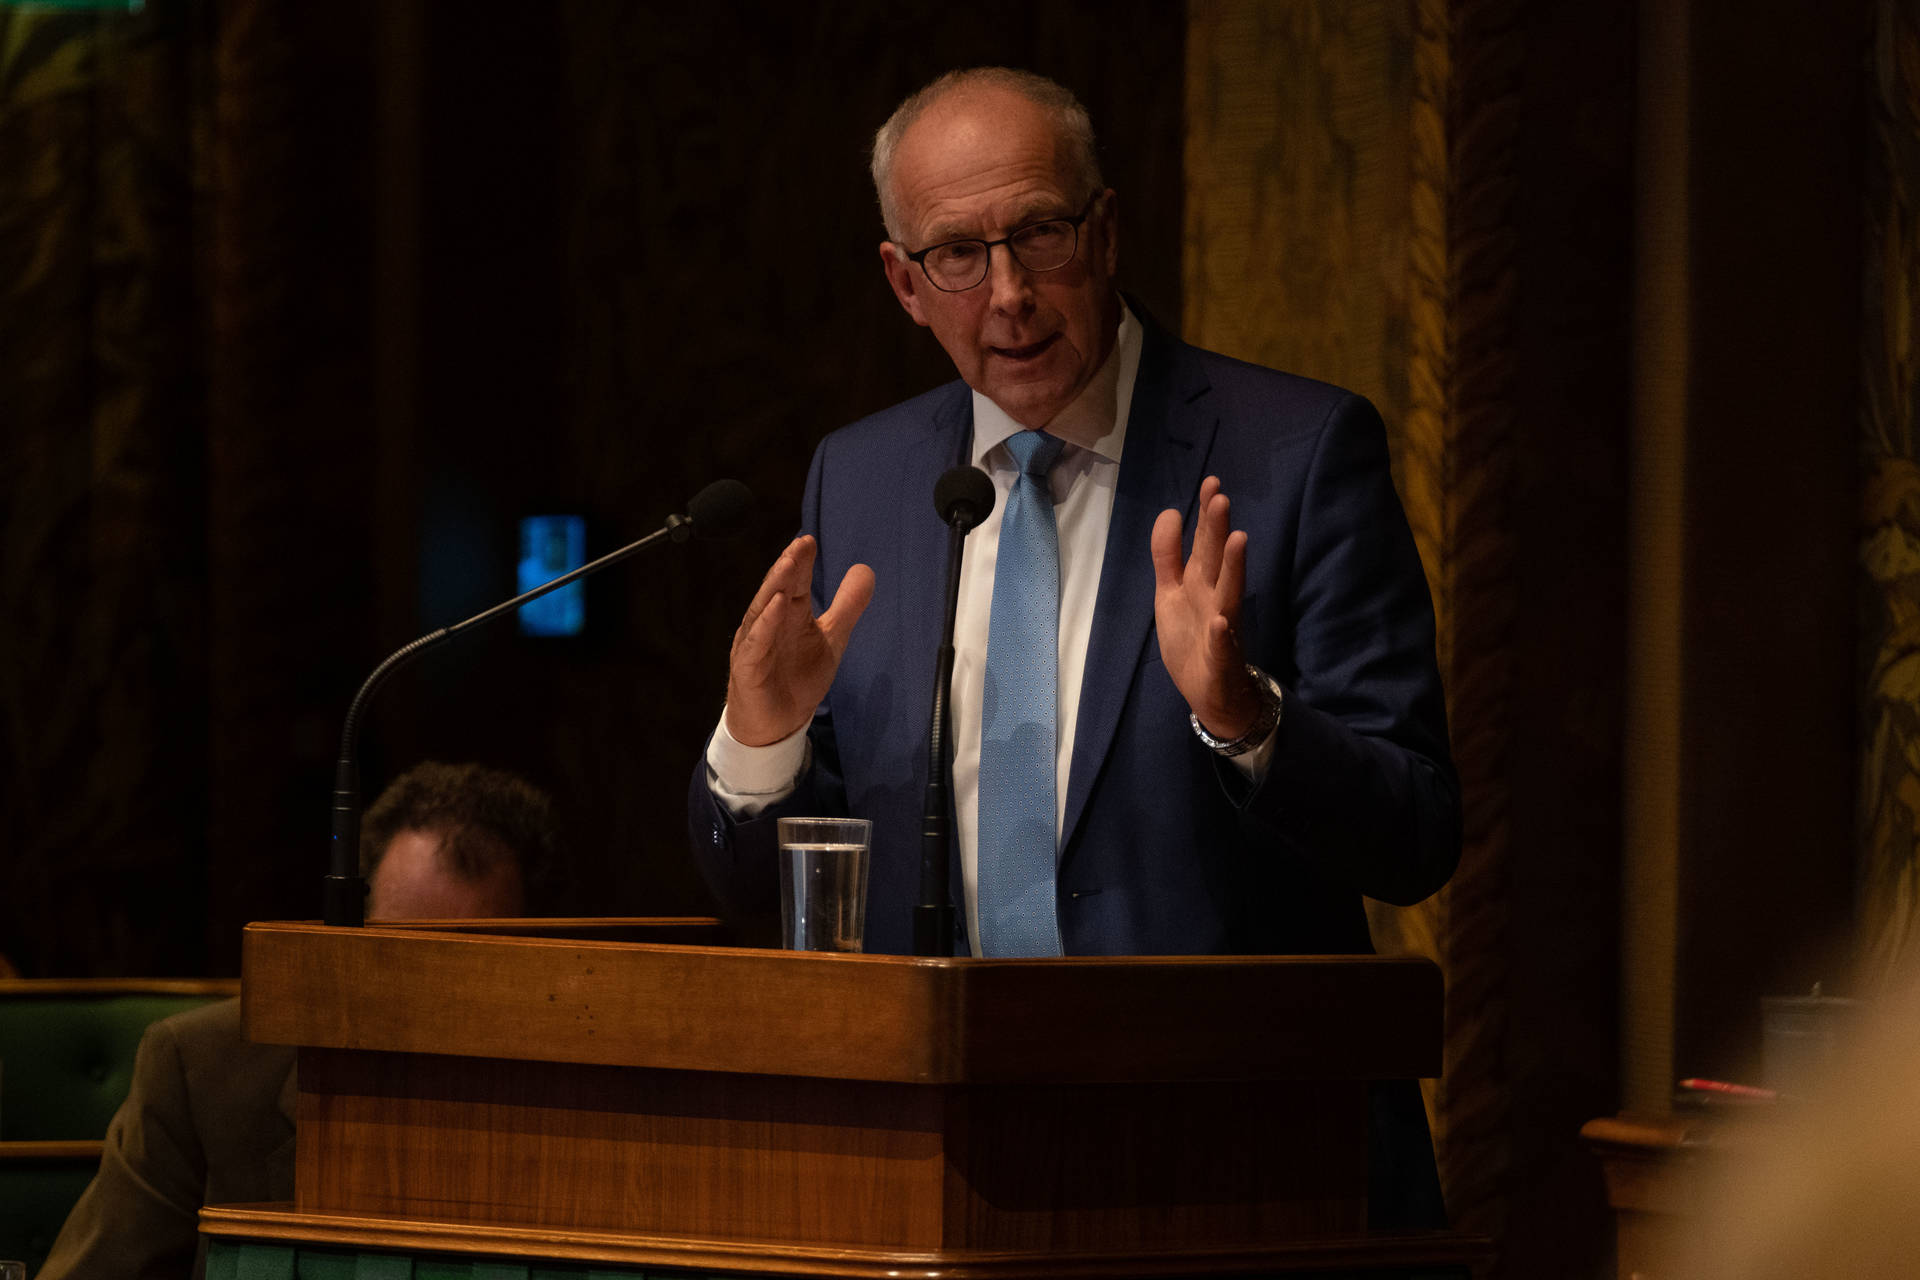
[(1195, 707), (1195, 704)]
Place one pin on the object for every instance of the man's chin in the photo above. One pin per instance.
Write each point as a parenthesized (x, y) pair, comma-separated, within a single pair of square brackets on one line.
[(1032, 395), (1029, 404)]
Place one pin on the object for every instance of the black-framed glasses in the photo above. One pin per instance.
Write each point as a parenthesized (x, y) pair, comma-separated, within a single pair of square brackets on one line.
[(955, 266)]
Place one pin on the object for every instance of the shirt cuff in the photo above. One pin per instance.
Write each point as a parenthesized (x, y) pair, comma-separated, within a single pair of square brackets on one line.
[(749, 779), (1252, 764)]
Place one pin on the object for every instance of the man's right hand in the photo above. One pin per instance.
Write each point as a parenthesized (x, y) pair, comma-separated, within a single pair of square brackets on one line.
[(784, 658)]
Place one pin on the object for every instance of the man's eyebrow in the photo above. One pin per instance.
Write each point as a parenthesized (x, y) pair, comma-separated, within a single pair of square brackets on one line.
[(1037, 211), (945, 231), (1040, 211)]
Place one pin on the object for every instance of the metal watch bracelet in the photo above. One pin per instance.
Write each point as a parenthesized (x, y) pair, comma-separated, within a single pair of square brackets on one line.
[(1263, 724)]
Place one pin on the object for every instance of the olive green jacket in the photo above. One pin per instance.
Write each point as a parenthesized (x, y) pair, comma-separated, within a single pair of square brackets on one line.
[(208, 1120)]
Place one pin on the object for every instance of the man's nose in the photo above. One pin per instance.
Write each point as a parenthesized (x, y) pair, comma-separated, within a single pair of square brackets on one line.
[(1010, 283)]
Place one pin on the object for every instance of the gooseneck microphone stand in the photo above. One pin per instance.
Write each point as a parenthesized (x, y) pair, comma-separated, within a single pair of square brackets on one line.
[(963, 497), (714, 512)]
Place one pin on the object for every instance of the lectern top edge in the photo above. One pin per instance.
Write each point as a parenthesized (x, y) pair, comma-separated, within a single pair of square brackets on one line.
[(574, 931), (882, 1018)]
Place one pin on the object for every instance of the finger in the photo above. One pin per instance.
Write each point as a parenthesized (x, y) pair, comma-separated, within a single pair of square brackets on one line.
[(796, 582), (791, 555), (1165, 545), (849, 602), (754, 642), (1210, 536), (789, 576), (1232, 583)]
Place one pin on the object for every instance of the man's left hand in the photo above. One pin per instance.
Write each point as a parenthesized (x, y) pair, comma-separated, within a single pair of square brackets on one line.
[(1196, 608)]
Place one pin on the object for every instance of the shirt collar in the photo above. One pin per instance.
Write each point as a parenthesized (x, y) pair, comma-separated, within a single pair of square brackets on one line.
[(1096, 420)]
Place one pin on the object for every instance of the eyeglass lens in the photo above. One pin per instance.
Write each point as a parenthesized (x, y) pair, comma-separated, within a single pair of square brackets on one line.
[(1044, 246)]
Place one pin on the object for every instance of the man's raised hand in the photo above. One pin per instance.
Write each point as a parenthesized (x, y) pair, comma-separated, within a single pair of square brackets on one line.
[(783, 658), (1196, 608)]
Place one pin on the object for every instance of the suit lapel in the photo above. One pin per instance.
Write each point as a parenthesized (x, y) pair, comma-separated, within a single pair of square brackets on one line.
[(1169, 432), (921, 576), (920, 573)]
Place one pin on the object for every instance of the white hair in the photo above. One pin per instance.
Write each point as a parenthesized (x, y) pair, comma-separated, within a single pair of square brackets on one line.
[(1070, 120)]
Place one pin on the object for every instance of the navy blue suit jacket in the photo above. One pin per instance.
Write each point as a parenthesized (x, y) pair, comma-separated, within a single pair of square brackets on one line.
[(1164, 849)]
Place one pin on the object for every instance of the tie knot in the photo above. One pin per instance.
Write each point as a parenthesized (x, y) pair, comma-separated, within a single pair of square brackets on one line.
[(1034, 451)]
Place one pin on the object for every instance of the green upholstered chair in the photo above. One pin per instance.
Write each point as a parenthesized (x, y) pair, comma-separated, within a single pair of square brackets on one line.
[(66, 1059)]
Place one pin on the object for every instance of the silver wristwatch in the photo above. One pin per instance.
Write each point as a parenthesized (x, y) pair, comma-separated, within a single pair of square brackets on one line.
[(1262, 725)]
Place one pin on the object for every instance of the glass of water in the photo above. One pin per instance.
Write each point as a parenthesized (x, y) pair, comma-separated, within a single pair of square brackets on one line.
[(823, 883)]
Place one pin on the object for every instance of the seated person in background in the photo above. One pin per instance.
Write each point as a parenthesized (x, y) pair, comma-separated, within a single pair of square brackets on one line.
[(209, 1116)]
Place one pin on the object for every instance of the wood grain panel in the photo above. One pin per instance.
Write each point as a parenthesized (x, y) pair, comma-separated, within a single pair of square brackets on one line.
[(76, 1149), (1442, 1256), (1456, 469), (581, 1001), (862, 1101), (1889, 554), (872, 1164), (670, 930), (1147, 1167), (1141, 1018), (849, 1017), (724, 1156)]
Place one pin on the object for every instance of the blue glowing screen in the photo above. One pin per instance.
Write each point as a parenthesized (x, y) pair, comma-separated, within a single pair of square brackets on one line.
[(549, 547)]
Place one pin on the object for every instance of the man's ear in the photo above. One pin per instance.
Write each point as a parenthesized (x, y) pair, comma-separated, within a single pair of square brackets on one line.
[(905, 279)]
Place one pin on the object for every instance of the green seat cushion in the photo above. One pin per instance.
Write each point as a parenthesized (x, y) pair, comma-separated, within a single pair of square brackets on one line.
[(35, 1198), (66, 1061)]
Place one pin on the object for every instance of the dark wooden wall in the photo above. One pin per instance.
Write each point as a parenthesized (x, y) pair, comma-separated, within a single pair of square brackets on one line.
[(1600, 265), (302, 306), (648, 249), (307, 305), (1889, 889), (1743, 610)]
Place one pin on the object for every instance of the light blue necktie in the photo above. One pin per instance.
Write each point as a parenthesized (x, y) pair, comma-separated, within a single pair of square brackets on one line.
[(1018, 717)]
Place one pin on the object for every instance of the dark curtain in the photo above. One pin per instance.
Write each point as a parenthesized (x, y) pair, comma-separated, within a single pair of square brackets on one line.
[(307, 304), (104, 122)]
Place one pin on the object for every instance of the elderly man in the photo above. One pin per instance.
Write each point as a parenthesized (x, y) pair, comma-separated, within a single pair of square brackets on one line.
[(209, 1116), (1195, 705), (1241, 735)]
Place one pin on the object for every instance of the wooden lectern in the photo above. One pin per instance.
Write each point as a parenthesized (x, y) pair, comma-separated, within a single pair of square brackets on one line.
[(548, 1098)]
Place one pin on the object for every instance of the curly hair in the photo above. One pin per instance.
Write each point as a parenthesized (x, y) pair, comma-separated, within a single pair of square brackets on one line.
[(485, 817)]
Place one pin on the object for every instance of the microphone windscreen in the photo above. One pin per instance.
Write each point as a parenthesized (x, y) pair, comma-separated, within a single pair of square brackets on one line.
[(720, 510), (964, 494)]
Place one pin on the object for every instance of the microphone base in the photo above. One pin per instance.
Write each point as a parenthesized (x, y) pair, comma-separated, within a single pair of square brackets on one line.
[(345, 901), (932, 931)]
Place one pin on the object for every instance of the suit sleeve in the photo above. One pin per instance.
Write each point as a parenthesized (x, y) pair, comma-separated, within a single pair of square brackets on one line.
[(1362, 783), (139, 1217), (736, 855)]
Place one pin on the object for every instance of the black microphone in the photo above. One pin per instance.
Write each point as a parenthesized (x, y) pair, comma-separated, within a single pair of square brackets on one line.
[(717, 511), (963, 498)]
